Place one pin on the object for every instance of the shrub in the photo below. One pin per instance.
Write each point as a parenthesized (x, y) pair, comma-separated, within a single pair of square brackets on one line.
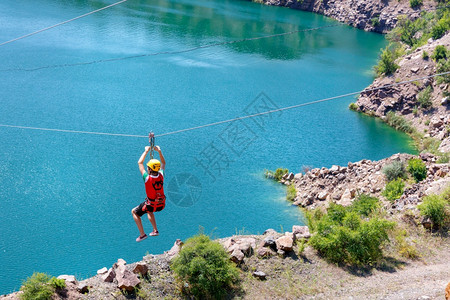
[(405, 31), (425, 55), (394, 189), (353, 106), (37, 287), (336, 213), (415, 3), (436, 207), (291, 192), (58, 284), (301, 245), (417, 168), (404, 248), (205, 268), (438, 30), (443, 66), (343, 237), (424, 97), (398, 122), (430, 145), (364, 205), (443, 158), (386, 65), (277, 175), (446, 195), (375, 21), (394, 170), (440, 52), (441, 26)]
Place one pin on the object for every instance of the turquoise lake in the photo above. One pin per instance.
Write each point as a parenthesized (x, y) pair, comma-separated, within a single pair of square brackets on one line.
[(65, 198)]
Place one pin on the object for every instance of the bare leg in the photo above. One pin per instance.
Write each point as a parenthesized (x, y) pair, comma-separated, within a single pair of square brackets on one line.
[(151, 218), (138, 221)]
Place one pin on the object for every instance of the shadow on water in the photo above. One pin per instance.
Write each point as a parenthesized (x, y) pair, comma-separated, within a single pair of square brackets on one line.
[(193, 23)]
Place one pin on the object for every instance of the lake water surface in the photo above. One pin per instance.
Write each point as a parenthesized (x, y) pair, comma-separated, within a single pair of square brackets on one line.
[(65, 198)]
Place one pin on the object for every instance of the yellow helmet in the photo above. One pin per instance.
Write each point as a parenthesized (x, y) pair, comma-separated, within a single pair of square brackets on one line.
[(154, 164)]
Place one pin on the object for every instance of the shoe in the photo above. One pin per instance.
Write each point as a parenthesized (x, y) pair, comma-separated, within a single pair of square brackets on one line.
[(154, 233), (141, 238)]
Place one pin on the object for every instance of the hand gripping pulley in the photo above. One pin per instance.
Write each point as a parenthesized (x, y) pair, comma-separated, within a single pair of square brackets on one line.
[(151, 140)]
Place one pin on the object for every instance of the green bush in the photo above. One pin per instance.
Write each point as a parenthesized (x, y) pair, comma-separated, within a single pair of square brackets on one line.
[(291, 192), (436, 207), (386, 65), (353, 106), (342, 236), (398, 122), (58, 284), (394, 189), (440, 52), (415, 3), (405, 248), (204, 268), (280, 172), (405, 31), (417, 168), (443, 158), (364, 205), (441, 26), (375, 22), (394, 170), (37, 287), (442, 67), (429, 144), (277, 175), (424, 97), (425, 55), (438, 30)]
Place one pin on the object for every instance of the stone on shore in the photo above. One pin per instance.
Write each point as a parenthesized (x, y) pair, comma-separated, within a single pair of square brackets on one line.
[(68, 278), (285, 243), (176, 248), (102, 271), (301, 232), (237, 256), (260, 275), (141, 268), (109, 275), (126, 279)]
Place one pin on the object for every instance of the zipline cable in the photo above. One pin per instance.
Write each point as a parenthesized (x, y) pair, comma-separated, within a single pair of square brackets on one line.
[(234, 119), (172, 52), (62, 23), (302, 104)]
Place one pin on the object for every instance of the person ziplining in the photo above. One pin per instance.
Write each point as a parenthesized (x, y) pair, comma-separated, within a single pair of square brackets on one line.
[(154, 189)]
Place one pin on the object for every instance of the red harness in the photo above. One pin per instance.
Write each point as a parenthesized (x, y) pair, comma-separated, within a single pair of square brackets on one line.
[(154, 187), (156, 205)]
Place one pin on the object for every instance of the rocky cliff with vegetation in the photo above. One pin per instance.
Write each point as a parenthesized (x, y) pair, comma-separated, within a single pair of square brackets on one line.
[(420, 108)]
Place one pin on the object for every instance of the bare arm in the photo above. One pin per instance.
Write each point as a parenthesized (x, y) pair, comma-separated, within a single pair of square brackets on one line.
[(141, 160), (161, 156)]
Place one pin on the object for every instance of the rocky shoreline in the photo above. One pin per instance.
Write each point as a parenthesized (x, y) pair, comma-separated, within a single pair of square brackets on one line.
[(113, 282), (342, 184), (377, 16), (403, 99)]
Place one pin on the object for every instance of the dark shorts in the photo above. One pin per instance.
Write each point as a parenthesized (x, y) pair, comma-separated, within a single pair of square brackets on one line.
[(149, 206)]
